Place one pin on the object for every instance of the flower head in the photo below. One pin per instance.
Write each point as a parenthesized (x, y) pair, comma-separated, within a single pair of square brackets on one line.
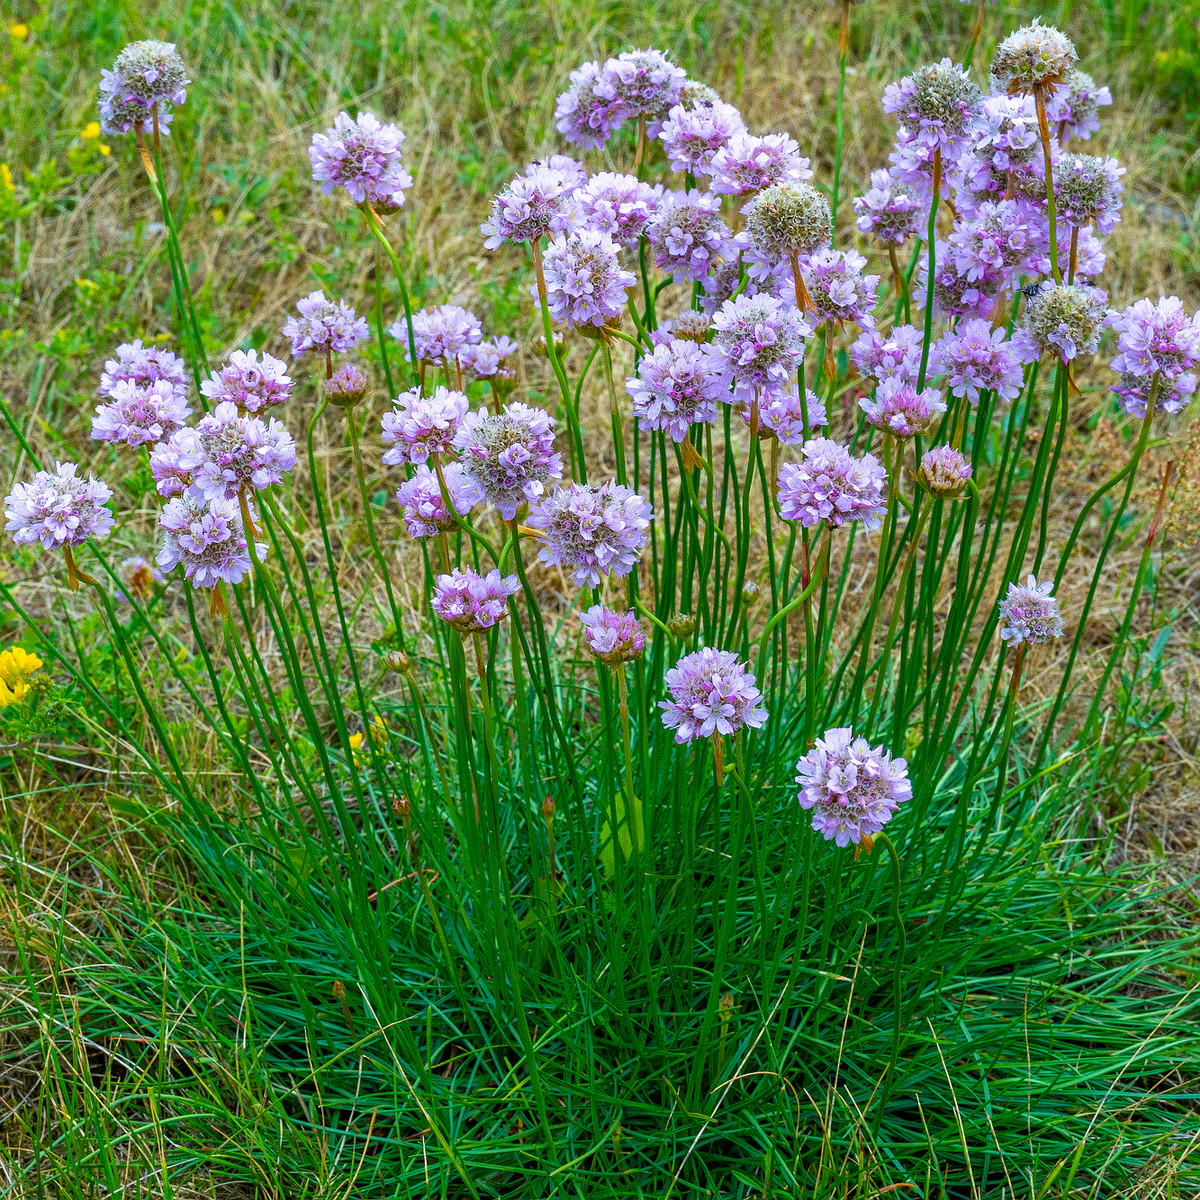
[(894, 355), (935, 105), (251, 382), (954, 295), (533, 205), (361, 155), (325, 326), (687, 235), (851, 787), (692, 136), (347, 385), (1005, 145), (1156, 338), (571, 168), (899, 409), (675, 388), (442, 335), (174, 463), (146, 79), (788, 220), (646, 82), (1030, 613), (585, 282), (711, 692), (425, 511), (1135, 392), (472, 602), (831, 485), (143, 365), (943, 472), (1067, 317), (1087, 190), (509, 457), (781, 415), (1075, 104), (618, 205), (889, 209), (134, 414), (748, 164), (239, 454), (974, 357), (758, 345), (837, 287), (419, 426), (208, 537), (589, 112), (1035, 56), (1000, 241), (58, 508), (485, 360), (612, 637), (591, 531)]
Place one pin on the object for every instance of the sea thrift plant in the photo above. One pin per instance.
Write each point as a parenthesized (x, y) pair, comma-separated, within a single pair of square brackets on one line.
[(238, 454), (688, 236), (135, 414), (788, 220), (1088, 191), (327, 326), (58, 508), (935, 105), (618, 205), (1074, 106), (361, 155), (612, 637), (425, 512), (533, 205), (646, 82), (1156, 339), (693, 136), (146, 80), (783, 416), (894, 355), (749, 164), (839, 289), (509, 457), (1030, 613), (711, 693), (208, 538), (943, 472), (899, 409), (472, 602), (442, 335), (143, 365), (975, 358), (831, 485), (758, 345), (585, 282), (420, 425), (675, 388), (889, 209), (251, 381), (1035, 57)]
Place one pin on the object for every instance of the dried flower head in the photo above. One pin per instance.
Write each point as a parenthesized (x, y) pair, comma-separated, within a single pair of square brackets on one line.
[(325, 326), (1035, 56), (1030, 613), (58, 508), (788, 220), (974, 357), (889, 209), (251, 382), (533, 205), (143, 365), (442, 335), (425, 511), (612, 637), (692, 135), (208, 538), (1087, 190), (831, 485), (361, 155), (1063, 318), (711, 692), (146, 80), (585, 282), (1074, 106), (943, 472), (618, 205), (509, 457), (688, 236), (899, 409), (419, 426), (749, 164), (675, 388), (138, 576), (136, 414), (472, 602)]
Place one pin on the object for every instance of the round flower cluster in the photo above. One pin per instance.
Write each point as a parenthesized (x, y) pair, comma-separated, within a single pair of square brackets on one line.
[(781, 415), (953, 294), (788, 220), (894, 355), (690, 325), (612, 637), (758, 346), (1005, 147), (1035, 57), (419, 426), (425, 511), (889, 209), (485, 360), (936, 105), (943, 472), (711, 692), (146, 80), (472, 602), (136, 414), (748, 164), (250, 382), (899, 409), (837, 288), (646, 82), (208, 537), (509, 458), (675, 388), (58, 508), (692, 137), (327, 326), (1074, 106), (831, 485), (1156, 339), (851, 787), (618, 205), (589, 112), (1087, 191), (539, 202), (361, 155), (143, 365), (1001, 241), (441, 335), (1030, 613), (591, 531), (974, 357), (585, 282), (687, 235), (346, 386), (1065, 317), (637, 83)]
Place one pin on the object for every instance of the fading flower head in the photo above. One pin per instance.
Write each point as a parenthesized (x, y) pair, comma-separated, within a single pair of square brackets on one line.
[(612, 637), (1074, 106), (711, 692), (472, 602), (788, 220), (58, 508), (1087, 190), (833, 486), (1064, 319), (1030, 613), (362, 155), (936, 105), (146, 79), (1035, 56), (509, 457), (781, 415)]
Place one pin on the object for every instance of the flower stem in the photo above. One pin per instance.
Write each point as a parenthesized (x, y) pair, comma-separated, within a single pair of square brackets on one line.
[(1039, 98)]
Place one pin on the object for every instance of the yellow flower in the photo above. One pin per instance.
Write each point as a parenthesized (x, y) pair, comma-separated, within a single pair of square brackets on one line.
[(379, 734), (17, 664), (90, 130), (18, 32), (6, 179), (105, 150)]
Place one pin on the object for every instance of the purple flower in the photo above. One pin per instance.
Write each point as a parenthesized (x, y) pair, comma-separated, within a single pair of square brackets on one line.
[(592, 531), (58, 508), (539, 202), (646, 82), (1090, 256), (147, 77), (974, 357), (692, 136), (831, 485), (612, 637), (174, 463), (574, 171), (585, 282), (954, 295), (589, 112), (711, 692), (851, 787), (687, 235), (1005, 145), (748, 164), (936, 105), (472, 602), (484, 359), (690, 325), (509, 457), (324, 325), (1065, 317), (618, 205), (239, 454), (442, 335), (837, 287), (1156, 339), (1001, 241), (758, 346), (208, 538), (1030, 613), (1074, 106), (675, 388), (347, 385), (425, 511), (780, 414), (135, 414), (1087, 191), (899, 409), (943, 472), (250, 382), (889, 209), (143, 365), (419, 426), (895, 355), (363, 156), (1135, 390)]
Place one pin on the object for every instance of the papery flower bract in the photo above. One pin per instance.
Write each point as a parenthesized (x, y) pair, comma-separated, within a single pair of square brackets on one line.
[(974, 357), (1156, 338), (1030, 613), (711, 692), (208, 538), (788, 220), (889, 209), (618, 205), (143, 365), (899, 409), (851, 787), (646, 82), (935, 104), (748, 164), (585, 282), (894, 355), (147, 77), (419, 426), (1087, 191), (472, 602), (1000, 241), (509, 457), (687, 235), (675, 388), (781, 414), (324, 325), (1035, 56), (241, 454), (533, 205), (831, 485), (251, 382), (425, 511), (943, 472), (1074, 106), (362, 155), (591, 531), (837, 287), (441, 335), (692, 136), (758, 345), (1064, 318), (612, 637), (589, 112), (134, 414), (58, 508)]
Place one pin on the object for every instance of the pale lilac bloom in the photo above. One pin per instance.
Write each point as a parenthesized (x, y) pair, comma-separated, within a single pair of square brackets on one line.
[(688, 236), (585, 282), (612, 637), (134, 414), (591, 531), (510, 457), (147, 78), (781, 414), (326, 326), (1063, 318), (1001, 241), (899, 409), (675, 388), (1087, 191), (484, 360), (58, 508), (143, 365), (851, 787), (1030, 613), (943, 472), (831, 485), (1090, 256), (250, 382), (954, 295), (361, 155), (574, 171), (711, 692), (693, 136), (208, 537), (647, 83), (441, 335), (893, 355), (936, 105), (472, 602), (619, 205), (837, 287), (1004, 141), (1172, 397), (174, 463), (889, 209), (589, 112), (749, 164), (241, 454), (540, 202), (419, 426), (425, 511), (1156, 338), (347, 385), (974, 357), (1074, 106), (758, 346)]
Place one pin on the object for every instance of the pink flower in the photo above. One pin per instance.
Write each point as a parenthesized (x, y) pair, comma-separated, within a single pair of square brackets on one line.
[(585, 282), (135, 414), (58, 508), (831, 485), (711, 692), (250, 382), (363, 156), (419, 426), (472, 602), (208, 538), (612, 637)]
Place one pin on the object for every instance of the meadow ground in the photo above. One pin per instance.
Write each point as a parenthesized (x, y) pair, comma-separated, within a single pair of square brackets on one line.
[(91, 862)]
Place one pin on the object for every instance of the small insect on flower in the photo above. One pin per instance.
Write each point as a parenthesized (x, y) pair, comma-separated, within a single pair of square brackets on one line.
[(472, 602), (1035, 57), (1063, 319), (711, 692), (1030, 613)]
